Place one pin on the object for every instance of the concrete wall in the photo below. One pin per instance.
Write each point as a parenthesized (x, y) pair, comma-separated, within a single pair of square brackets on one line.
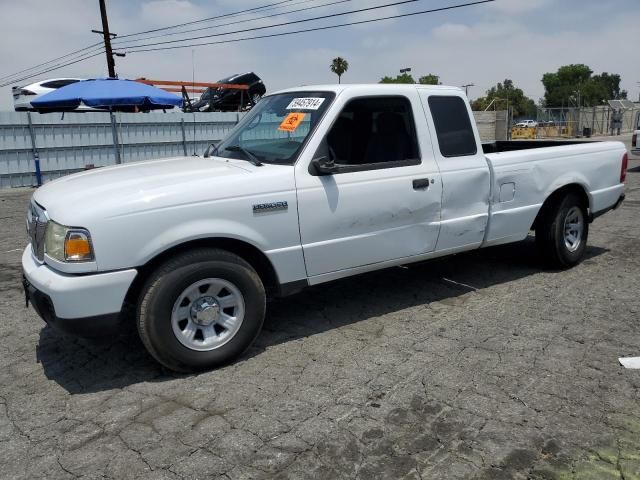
[(491, 125)]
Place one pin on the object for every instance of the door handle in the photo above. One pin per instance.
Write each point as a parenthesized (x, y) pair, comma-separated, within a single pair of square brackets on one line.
[(420, 183)]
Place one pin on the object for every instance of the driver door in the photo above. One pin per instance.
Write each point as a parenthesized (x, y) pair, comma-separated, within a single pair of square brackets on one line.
[(383, 202)]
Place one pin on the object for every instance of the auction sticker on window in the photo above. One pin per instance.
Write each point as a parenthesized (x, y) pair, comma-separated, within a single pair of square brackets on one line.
[(291, 122), (307, 103)]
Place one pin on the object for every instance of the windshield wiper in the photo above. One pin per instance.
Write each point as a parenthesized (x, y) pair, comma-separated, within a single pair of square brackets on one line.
[(211, 150), (250, 156)]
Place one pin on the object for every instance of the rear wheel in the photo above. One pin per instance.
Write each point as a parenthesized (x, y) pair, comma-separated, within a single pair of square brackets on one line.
[(201, 309), (562, 231)]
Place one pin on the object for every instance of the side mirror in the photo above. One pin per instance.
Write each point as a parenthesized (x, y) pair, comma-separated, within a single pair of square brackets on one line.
[(323, 162), (324, 166)]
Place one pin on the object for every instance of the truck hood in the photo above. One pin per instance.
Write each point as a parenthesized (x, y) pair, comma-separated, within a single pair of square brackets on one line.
[(156, 184)]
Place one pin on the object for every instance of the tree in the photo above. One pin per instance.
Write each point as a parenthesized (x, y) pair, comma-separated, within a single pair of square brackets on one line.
[(611, 85), (402, 78), (339, 66), (507, 91), (576, 81), (430, 79)]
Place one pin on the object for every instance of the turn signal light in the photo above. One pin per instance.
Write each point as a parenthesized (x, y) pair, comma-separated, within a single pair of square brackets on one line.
[(77, 246)]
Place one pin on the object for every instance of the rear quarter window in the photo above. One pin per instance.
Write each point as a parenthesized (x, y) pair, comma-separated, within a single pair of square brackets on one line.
[(453, 126), (58, 83)]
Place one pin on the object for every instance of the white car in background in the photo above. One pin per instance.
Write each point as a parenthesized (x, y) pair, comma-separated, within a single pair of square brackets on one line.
[(23, 96), (527, 124)]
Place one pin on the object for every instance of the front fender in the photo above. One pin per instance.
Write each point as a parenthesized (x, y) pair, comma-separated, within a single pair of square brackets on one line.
[(196, 230)]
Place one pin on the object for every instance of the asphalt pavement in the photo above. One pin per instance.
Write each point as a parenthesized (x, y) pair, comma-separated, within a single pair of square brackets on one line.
[(482, 365)]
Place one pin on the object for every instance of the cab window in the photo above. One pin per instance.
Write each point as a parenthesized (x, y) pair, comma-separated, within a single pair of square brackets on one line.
[(374, 132), (453, 126)]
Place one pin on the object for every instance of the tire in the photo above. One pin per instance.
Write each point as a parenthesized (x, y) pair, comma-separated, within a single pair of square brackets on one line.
[(562, 231), (187, 306)]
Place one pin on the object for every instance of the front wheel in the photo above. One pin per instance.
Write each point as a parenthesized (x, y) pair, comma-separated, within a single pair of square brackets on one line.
[(201, 309), (562, 231)]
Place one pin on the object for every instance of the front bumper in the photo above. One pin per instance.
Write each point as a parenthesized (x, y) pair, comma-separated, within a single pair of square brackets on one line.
[(88, 304)]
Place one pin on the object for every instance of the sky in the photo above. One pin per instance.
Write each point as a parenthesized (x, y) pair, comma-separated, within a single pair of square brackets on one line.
[(482, 44)]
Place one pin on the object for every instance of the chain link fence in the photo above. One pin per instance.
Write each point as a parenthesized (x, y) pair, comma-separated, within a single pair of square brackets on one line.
[(585, 121)]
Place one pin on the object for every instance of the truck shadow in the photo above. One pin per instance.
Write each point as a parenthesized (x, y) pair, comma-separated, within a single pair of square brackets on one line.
[(85, 366), (447, 280)]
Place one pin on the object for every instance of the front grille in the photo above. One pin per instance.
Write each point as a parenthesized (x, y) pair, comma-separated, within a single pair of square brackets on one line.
[(37, 226)]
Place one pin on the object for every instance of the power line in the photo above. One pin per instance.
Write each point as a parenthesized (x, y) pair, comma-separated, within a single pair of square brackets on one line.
[(282, 24), (120, 44), (54, 67), (204, 19), (50, 61), (391, 17), (10, 78), (137, 49)]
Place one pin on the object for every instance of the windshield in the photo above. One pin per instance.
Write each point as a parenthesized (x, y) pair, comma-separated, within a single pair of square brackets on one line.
[(275, 130)]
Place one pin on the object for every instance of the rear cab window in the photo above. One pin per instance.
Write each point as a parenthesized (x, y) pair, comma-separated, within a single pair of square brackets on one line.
[(453, 126)]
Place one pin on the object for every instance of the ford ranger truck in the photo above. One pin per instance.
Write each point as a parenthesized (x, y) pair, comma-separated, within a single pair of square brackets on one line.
[(313, 184)]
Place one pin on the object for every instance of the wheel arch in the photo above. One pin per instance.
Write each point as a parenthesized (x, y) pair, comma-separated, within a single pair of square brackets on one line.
[(560, 192), (250, 253)]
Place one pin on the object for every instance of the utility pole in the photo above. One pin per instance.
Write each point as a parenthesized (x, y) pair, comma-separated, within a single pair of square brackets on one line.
[(111, 64), (466, 88)]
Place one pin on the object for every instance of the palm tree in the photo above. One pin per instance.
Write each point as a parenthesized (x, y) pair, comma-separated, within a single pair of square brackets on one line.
[(339, 66)]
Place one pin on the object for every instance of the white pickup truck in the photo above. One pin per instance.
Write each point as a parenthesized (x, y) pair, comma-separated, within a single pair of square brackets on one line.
[(313, 184)]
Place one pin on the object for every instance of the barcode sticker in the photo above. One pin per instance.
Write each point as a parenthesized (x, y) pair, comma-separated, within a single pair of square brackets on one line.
[(308, 103)]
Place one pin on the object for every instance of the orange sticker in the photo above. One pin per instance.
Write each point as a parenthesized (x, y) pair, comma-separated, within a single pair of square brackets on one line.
[(291, 122)]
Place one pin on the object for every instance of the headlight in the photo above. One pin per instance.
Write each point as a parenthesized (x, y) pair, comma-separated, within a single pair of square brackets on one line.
[(68, 244)]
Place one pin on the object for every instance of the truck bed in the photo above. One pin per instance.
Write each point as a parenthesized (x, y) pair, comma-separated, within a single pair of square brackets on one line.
[(513, 145)]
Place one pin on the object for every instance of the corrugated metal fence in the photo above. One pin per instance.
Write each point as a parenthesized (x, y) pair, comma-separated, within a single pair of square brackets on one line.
[(70, 143)]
